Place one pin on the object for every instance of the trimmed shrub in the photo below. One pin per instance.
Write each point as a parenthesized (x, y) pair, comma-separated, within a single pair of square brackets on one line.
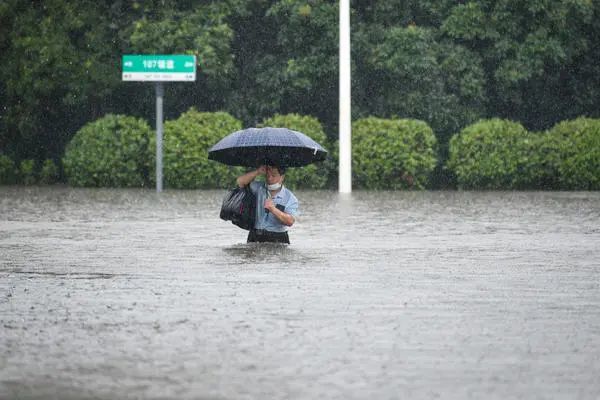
[(497, 154), (576, 155), (332, 163), (27, 173), (110, 151), (185, 151), (392, 153), (313, 176), (49, 172), (7, 170)]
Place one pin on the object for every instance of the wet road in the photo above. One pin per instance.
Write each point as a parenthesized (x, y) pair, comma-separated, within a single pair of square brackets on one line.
[(110, 294)]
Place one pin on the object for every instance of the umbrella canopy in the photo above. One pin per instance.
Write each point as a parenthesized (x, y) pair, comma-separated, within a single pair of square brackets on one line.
[(271, 146)]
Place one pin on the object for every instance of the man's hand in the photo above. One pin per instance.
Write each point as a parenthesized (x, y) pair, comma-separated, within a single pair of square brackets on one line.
[(283, 217), (269, 205), (248, 177)]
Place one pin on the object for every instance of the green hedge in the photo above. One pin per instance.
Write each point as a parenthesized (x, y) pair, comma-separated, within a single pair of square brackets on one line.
[(119, 151), (392, 153), (313, 176), (7, 170), (496, 154), (185, 151), (575, 146), (48, 173), (110, 151), (501, 154), (27, 172)]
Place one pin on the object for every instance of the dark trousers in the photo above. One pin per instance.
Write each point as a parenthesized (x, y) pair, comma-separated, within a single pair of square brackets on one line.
[(260, 235)]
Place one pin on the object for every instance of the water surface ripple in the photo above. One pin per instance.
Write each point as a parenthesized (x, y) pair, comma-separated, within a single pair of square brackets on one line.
[(109, 294)]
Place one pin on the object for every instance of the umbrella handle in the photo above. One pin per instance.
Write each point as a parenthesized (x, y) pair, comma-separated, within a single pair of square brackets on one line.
[(268, 196)]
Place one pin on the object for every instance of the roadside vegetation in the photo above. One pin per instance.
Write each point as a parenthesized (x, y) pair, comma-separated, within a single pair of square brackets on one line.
[(470, 71), (388, 154)]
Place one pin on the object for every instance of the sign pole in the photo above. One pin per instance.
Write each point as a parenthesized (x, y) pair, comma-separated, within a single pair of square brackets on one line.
[(159, 68), (160, 93)]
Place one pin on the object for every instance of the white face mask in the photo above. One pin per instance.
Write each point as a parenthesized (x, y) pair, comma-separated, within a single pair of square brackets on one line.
[(275, 186)]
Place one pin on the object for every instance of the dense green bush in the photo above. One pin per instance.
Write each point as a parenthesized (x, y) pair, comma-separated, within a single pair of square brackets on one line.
[(27, 172), (110, 151), (49, 172), (7, 170), (392, 153), (498, 154), (313, 176), (332, 163), (185, 151), (576, 153)]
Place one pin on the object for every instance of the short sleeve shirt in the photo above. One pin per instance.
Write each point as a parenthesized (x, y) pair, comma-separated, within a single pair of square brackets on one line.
[(286, 201)]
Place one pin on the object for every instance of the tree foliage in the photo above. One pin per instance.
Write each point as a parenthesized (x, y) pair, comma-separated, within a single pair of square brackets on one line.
[(62, 66), (408, 73), (7, 170), (444, 62), (536, 54)]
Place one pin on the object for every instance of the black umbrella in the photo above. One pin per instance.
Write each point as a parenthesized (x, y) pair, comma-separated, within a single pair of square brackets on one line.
[(267, 146)]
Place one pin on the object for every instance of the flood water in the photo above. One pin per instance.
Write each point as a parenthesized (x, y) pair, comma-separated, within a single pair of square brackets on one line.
[(108, 294)]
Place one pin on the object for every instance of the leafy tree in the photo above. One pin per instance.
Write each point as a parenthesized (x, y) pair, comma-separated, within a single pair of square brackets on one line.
[(445, 62), (536, 56), (63, 69), (408, 73), (381, 15), (174, 27), (66, 56), (287, 61), (7, 170)]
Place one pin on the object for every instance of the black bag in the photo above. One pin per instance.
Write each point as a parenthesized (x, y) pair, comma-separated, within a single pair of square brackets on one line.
[(239, 207)]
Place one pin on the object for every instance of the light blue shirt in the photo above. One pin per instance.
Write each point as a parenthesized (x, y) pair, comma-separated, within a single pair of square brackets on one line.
[(266, 220)]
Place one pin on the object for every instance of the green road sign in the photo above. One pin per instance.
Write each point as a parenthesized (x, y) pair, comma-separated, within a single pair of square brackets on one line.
[(159, 68)]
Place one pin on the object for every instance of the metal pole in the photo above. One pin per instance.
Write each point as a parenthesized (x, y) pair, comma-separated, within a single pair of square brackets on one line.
[(345, 128), (160, 92)]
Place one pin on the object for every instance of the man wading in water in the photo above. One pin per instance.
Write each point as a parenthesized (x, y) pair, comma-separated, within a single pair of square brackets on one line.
[(276, 206)]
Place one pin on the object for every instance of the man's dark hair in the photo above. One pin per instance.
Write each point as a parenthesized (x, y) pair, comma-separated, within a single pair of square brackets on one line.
[(279, 168)]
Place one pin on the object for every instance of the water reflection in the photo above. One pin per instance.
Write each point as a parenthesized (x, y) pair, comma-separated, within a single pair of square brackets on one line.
[(265, 253), (63, 275)]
